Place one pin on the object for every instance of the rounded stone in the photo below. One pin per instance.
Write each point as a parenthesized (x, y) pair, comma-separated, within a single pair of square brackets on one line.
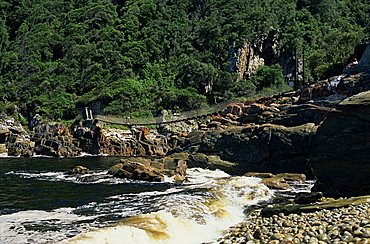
[(366, 233), (249, 236), (358, 233), (277, 236), (322, 237), (334, 233), (347, 236), (313, 240)]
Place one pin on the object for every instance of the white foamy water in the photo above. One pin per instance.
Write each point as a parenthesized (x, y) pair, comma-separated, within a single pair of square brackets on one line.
[(92, 178), (195, 212), (187, 218)]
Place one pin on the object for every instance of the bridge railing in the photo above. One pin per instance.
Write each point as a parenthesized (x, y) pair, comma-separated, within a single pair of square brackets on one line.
[(166, 118)]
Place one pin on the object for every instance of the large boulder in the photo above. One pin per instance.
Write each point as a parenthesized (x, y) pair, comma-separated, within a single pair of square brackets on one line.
[(340, 156), (277, 183), (134, 170)]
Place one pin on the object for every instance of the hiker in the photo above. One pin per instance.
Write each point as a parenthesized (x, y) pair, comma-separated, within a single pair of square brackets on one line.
[(353, 63)]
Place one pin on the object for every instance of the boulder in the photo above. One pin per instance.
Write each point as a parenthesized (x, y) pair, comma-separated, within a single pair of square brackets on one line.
[(296, 115), (136, 171), (276, 183), (235, 109), (79, 170), (314, 91), (179, 179), (340, 157), (292, 177)]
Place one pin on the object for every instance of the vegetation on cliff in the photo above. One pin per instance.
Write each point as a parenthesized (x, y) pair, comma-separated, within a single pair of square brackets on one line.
[(140, 56)]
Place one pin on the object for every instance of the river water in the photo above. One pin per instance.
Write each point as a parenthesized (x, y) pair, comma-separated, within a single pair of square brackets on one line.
[(39, 203)]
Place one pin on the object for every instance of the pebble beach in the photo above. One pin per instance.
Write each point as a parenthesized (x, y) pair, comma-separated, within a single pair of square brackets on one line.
[(340, 225)]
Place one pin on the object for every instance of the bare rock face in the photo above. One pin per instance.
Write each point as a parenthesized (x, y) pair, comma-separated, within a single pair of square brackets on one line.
[(134, 142), (261, 148), (248, 61), (364, 64), (20, 145), (340, 156)]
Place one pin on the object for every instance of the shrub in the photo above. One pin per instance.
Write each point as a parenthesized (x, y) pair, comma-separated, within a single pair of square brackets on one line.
[(268, 76)]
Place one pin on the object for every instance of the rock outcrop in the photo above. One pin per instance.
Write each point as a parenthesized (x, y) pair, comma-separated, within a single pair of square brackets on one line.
[(280, 181), (291, 208), (54, 140), (129, 169), (364, 64), (248, 61), (20, 145), (340, 157), (134, 142), (261, 148)]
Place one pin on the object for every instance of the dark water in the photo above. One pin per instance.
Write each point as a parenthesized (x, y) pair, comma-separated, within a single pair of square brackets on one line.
[(28, 184), (40, 203)]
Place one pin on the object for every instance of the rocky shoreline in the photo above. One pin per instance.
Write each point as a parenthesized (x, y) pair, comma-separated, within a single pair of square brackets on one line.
[(318, 131), (349, 224), (314, 131)]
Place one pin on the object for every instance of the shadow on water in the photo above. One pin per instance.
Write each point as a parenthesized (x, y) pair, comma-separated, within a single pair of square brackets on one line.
[(18, 192)]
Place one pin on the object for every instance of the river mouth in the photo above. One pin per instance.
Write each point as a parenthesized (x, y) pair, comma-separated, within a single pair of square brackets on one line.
[(39, 203)]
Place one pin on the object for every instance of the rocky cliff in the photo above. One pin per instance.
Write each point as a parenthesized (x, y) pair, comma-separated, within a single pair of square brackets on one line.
[(364, 64), (340, 156)]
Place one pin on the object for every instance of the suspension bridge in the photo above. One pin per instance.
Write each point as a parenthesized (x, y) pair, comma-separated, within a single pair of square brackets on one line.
[(167, 118)]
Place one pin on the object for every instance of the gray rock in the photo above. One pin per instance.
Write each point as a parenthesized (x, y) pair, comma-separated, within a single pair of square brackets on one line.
[(339, 156)]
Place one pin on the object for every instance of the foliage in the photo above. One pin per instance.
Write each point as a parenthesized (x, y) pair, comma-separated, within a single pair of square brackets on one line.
[(138, 57), (268, 76)]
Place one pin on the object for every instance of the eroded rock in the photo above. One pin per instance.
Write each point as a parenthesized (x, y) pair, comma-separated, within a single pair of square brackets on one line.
[(340, 157), (136, 171)]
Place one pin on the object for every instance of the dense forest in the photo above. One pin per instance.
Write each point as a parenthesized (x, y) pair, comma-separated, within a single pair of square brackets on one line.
[(137, 57)]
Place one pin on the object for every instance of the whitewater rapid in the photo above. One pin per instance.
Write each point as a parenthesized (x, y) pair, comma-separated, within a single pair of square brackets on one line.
[(211, 202), (187, 218)]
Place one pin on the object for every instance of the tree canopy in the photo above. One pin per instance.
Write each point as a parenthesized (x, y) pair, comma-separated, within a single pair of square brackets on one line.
[(141, 56)]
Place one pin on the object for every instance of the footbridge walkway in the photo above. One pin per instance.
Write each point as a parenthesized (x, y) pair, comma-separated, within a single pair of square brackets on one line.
[(167, 118)]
